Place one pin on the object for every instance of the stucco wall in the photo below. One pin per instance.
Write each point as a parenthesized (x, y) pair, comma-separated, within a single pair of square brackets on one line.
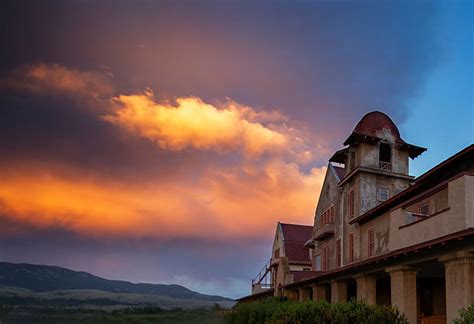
[(330, 196), (458, 217)]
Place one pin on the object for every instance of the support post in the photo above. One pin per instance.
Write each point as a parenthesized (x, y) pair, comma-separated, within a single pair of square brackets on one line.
[(403, 290), (459, 277)]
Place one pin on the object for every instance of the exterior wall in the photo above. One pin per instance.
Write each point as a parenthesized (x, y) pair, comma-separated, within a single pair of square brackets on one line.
[(330, 196), (381, 226), (437, 202), (458, 216)]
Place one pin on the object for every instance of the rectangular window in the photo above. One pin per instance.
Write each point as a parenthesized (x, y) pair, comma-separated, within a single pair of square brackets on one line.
[(351, 203), (385, 157), (425, 209), (317, 262), (383, 194), (333, 213), (351, 247), (326, 258), (338, 252), (371, 242)]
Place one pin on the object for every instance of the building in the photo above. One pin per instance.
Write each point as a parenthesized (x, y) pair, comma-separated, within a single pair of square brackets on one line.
[(290, 260), (385, 237)]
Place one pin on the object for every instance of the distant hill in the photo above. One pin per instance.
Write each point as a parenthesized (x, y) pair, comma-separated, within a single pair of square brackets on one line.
[(41, 279)]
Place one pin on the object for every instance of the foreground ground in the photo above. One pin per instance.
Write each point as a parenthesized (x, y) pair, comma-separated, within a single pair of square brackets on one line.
[(27, 315)]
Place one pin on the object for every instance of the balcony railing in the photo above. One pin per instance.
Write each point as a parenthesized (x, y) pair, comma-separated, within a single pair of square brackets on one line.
[(385, 165), (263, 279)]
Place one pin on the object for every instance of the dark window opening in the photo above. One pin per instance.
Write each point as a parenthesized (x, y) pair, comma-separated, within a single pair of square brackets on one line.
[(385, 153)]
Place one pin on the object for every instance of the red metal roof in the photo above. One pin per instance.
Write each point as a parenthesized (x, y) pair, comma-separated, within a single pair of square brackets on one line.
[(302, 275), (368, 129), (295, 232), (374, 122), (294, 238)]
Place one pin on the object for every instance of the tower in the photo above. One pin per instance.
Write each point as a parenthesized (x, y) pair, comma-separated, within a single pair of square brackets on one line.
[(375, 163)]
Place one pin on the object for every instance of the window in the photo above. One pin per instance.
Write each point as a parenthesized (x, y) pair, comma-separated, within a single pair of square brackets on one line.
[(306, 269), (383, 194), (326, 258), (385, 153), (425, 209), (385, 157), (351, 203), (317, 262), (351, 247), (371, 242), (338, 252)]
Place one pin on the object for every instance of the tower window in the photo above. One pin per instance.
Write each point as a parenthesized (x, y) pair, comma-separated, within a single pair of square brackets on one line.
[(385, 156), (383, 194)]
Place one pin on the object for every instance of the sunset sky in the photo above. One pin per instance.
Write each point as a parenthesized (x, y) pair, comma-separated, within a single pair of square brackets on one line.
[(162, 141)]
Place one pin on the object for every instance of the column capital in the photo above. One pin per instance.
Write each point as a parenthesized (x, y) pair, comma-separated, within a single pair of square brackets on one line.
[(457, 257), (362, 275), (401, 268)]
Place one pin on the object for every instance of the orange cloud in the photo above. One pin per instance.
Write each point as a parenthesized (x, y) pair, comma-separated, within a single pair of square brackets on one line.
[(237, 202), (55, 79), (192, 123)]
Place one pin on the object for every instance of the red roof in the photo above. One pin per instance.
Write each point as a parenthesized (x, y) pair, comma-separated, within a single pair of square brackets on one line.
[(302, 275), (369, 129), (374, 122), (294, 238), (296, 233)]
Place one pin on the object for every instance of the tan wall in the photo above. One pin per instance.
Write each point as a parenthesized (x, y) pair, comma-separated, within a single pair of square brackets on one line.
[(437, 202), (458, 217), (381, 226), (329, 196)]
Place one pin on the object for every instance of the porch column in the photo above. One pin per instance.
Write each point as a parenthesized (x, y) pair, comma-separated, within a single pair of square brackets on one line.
[(366, 288), (290, 294), (403, 290), (459, 277), (305, 293), (319, 292), (338, 291)]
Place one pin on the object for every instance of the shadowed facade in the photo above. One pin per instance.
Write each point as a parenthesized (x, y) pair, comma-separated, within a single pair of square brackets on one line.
[(382, 236)]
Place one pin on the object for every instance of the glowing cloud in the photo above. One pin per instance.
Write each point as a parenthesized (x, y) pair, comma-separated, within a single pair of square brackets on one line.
[(192, 123), (219, 204)]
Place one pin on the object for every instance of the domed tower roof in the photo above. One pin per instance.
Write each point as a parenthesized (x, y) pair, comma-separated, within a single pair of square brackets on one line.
[(374, 127), (373, 123)]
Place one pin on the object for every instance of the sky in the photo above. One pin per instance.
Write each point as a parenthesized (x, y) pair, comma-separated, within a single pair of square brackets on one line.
[(159, 141)]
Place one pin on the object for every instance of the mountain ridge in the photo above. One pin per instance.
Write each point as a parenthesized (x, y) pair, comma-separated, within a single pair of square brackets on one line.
[(46, 278)]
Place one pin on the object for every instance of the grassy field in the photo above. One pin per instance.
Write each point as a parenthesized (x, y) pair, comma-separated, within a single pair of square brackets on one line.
[(27, 315)]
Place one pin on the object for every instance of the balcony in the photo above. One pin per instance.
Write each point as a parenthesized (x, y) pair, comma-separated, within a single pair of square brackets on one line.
[(324, 231), (387, 166), (414, 217)]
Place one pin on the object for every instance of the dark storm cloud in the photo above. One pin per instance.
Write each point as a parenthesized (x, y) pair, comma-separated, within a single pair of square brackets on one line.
[(304, 58)]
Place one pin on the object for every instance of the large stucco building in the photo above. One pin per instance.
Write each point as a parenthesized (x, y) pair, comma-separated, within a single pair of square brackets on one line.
[(384, 236)]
